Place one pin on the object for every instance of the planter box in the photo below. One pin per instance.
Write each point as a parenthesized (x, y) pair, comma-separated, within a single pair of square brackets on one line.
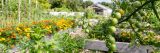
[(122, 47)]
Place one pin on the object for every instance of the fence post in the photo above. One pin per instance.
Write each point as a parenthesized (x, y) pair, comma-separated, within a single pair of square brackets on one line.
[(29, 15), (19, 10)]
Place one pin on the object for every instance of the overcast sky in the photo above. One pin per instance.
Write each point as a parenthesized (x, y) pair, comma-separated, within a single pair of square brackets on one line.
[(96, 1)]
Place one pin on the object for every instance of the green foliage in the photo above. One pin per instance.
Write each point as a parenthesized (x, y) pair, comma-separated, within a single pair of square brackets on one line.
[(45, 4), (71, 44), (90, 13), (87, 3), (74, 5), (141, 19), (105, 4), (56, 3)]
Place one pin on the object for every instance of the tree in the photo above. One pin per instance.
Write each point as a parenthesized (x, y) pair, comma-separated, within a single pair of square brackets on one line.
[(73, 5), (105, 4), (45, 4), (87, 3), (56, 3)]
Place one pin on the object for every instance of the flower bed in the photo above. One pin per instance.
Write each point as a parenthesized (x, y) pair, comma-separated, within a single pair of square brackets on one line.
[(12, 35)]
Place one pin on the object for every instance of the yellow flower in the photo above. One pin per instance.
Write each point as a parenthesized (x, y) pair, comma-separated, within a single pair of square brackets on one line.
[(28, 35), (48, 27), (64, 24), (18, 29), (2, 39), (27, 29)]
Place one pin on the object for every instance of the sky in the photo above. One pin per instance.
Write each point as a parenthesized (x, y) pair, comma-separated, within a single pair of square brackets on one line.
[(96, 1)]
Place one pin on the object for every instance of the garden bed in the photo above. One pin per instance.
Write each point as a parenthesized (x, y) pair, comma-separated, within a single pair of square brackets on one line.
[(122, 47)]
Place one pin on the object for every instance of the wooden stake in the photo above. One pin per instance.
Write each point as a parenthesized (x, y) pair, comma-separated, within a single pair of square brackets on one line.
[(19, 10)]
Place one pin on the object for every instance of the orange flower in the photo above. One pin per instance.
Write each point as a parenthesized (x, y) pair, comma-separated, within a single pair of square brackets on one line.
[(1, 29), (34, 23), (13, 35)]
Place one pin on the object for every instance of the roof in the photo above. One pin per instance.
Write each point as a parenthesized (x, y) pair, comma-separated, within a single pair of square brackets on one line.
[(101, 6), (97, 1)]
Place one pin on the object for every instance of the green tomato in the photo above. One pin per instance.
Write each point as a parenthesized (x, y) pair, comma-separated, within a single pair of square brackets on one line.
[(112, 40), (90, 24), (114, 21), (113, 47), (121, 11), (112, 29), (87, 30), (117, 15)]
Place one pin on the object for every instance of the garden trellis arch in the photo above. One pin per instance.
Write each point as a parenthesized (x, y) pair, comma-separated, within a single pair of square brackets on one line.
[(18, 9)]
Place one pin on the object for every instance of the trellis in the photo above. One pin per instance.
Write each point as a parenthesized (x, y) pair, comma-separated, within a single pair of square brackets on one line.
[(19, 11)]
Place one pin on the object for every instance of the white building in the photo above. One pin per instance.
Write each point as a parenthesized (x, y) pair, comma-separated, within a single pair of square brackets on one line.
[(67, 13), (102, 10)]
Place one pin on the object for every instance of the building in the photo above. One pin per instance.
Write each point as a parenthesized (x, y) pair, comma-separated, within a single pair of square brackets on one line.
[(99, 1), (102, 10)]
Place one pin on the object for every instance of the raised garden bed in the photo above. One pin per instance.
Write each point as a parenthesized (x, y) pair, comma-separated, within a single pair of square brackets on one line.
[(122, 47)]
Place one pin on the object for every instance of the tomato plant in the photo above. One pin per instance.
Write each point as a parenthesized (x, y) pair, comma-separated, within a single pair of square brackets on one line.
[(140, 16)]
